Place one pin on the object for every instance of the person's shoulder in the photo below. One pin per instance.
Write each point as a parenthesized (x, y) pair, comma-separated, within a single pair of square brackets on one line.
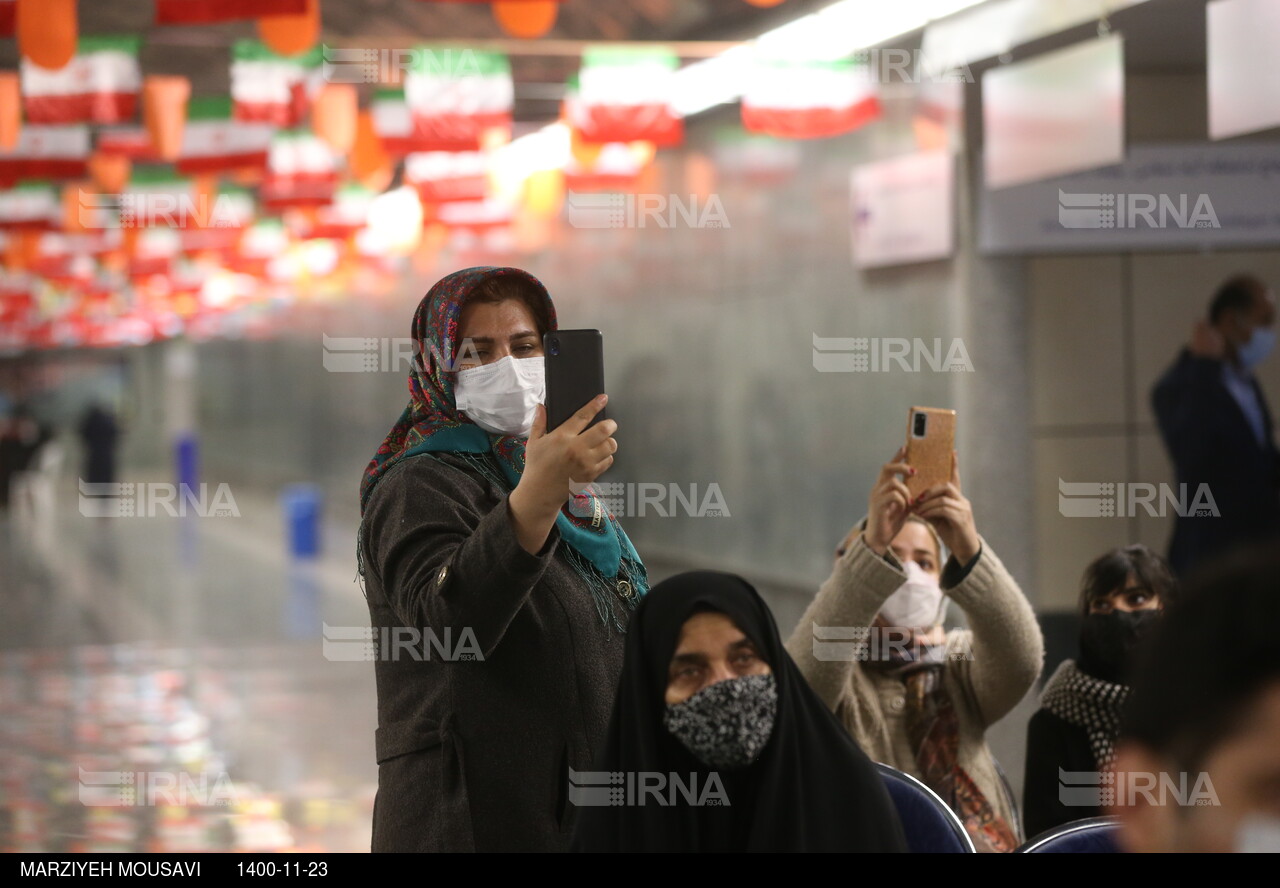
[(437, 473), (1046, 720)]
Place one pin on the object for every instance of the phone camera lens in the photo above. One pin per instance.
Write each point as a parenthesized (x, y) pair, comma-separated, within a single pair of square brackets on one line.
[(921, 420), (553, 347)]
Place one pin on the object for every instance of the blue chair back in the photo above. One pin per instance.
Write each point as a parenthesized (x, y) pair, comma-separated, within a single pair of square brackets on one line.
[(1093, 835), (931, 827)]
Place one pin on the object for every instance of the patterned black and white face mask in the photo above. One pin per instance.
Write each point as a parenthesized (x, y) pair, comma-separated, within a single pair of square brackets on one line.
[(727, 724)]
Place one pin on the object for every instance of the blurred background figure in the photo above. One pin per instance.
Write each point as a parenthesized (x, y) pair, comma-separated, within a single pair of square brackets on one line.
[(1203, 727), (1122, 595), (99, 432), (923, 705), (20, 449), (1216, 424)]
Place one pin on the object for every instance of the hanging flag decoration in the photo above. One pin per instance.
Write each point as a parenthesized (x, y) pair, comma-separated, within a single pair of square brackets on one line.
[(809, 98), (232, 210), (156, 197), (270, 88), (475, 215), (100, 84), (31, 206), (617, 167), (213, 142), (301, 171), (204, 12), (456, 97), (344, 216), (47, 31), (10, 109), (46, 152), (133, 142), (443, 176), (625, 95), (262, 241)]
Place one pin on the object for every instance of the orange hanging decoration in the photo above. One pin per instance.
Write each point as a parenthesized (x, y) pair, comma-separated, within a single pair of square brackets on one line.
[(370, 165), (333, 116), (164, 110), (75, 199), (10, 110), (110, 172), (47, 32), (291, 34), (584, 153), (22, 250), (765, 4), (526, 18)]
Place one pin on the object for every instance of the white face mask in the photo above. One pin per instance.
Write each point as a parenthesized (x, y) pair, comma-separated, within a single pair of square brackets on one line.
[(1258, 833), (502, 397), (918, 603)]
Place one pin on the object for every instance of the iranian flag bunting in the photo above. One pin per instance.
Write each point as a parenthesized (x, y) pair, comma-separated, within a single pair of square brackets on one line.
[(442, 176), (33, 206), (344, 216), (456, 96), (46, 152), (271, 88), (301, 171), (625, 95), (213, 142), (809, 98), (99, 85)]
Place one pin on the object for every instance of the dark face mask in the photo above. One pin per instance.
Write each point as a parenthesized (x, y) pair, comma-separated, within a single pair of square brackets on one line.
[(1108, 642)]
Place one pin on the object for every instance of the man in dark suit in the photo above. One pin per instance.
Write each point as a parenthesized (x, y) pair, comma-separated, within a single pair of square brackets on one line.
[(1216, 425)]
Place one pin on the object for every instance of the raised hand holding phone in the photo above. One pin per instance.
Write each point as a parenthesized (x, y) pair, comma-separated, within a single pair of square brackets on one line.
[(951, 514), (889, 503), (575, 453)]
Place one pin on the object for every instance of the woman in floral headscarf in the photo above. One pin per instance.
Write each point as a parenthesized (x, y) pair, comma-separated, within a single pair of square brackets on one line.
[(498, 600)]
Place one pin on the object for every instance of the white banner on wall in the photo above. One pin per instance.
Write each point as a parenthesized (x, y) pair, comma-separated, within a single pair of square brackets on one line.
[(1163, 197), (903, 209), (1244, 85), (1054, 113)]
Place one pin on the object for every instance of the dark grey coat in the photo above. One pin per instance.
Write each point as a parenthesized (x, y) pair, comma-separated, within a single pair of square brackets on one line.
[(473, 754)]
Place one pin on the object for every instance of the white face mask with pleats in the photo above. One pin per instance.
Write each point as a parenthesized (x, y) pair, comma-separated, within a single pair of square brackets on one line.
[(916, 604), (503, 397)]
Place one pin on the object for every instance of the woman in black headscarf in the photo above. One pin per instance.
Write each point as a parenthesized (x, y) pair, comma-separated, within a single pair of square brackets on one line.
[(711, 707)]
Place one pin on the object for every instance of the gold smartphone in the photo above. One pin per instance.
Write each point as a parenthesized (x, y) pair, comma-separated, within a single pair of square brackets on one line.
[(931, 438)]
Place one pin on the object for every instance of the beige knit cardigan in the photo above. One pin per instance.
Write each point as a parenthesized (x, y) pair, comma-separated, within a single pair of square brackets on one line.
[(988, 668)]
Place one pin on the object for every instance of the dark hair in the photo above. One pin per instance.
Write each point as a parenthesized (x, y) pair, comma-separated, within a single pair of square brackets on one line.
[(503, 287), (1208, 659), (1111, 571), (1236, 294)]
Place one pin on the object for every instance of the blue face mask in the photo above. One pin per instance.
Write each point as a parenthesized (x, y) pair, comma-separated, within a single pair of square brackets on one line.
[(1255, 351)]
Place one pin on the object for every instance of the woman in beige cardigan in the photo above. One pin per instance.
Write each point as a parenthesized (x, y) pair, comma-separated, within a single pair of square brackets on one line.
[(923, 706)]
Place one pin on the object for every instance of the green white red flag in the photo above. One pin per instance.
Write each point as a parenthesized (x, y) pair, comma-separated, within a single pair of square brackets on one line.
[(99, 85)]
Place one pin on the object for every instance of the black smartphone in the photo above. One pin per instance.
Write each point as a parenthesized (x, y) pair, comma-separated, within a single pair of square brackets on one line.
[(574, 372)]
